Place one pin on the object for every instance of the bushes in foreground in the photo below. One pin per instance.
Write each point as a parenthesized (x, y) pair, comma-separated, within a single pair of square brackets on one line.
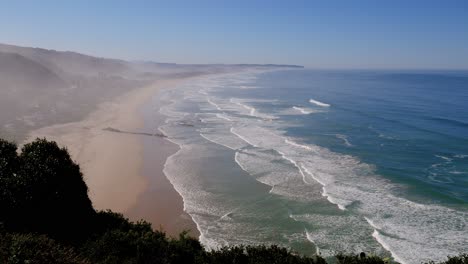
[(43, 191), (47, 217), (37, 249)]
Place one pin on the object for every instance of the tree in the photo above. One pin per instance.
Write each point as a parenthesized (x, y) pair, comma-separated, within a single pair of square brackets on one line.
[(118, 240), (8, 159), (8, 166), (36, 249), (47, 193)]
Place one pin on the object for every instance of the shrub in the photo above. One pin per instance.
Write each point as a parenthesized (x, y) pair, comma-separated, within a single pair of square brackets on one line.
[(359, 259), (9, 164), (121, 241), (8, 159), (36, 249), (44, 191), (461, 259), (259, 255)]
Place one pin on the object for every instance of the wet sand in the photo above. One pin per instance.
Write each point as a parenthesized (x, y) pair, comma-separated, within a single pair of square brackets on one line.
[(160, 204)]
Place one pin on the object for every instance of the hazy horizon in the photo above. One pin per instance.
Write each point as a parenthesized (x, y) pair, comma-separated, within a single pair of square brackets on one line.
[(357, 35)]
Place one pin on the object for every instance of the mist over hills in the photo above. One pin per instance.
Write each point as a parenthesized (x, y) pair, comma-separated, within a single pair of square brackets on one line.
[(41, 87), (71, 63), (22, 73)]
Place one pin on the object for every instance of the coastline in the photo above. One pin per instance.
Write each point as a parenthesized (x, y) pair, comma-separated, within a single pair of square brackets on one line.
[(160, 204), (111, 153)]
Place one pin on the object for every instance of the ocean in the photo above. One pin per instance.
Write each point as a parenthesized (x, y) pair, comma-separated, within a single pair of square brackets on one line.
[(324, 161)]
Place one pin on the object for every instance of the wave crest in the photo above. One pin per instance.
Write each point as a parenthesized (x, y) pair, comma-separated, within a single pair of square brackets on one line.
[(318, 103)]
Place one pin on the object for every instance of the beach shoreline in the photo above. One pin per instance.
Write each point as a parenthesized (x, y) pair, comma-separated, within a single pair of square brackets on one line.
[(160, 204), (112, 150)]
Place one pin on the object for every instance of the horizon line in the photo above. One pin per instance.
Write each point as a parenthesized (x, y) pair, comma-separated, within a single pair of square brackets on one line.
[(260, 64)]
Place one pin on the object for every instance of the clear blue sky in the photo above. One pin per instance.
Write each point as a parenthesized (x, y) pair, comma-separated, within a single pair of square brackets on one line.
[(319, 34)]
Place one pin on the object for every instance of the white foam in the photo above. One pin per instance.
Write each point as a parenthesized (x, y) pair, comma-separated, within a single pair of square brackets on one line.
[(227, 215), (444, 158), (225, 139), (318, 103), (346, 181), (332, 234), (309, 237), (303, 110), (440, 179), (223, 116), (381, 241), (241, 137), (304, 172), (296, 110), (247, 87), (258, 164), (252, 111), (345, 139), (381, 135), (288, 141), (249, 108), (299, 168), (213, 104)]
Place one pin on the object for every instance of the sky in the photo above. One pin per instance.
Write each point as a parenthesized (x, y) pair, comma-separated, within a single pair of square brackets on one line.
[(376, 34)]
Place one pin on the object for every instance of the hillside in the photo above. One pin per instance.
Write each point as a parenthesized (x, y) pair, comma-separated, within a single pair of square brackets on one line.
[(41, 87), (71, 62)]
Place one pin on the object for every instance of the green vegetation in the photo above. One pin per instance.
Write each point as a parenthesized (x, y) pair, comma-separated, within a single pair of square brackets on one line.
[(47, 217)]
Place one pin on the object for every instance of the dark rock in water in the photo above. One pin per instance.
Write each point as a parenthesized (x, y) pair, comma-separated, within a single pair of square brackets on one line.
[(186, 124), (110, 129), (160, 135)]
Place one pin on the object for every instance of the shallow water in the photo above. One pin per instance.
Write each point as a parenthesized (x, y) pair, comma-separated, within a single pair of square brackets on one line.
[(324, 161)]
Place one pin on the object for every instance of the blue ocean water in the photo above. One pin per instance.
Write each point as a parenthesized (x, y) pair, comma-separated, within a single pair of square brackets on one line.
[(413, 126), (325, 161)]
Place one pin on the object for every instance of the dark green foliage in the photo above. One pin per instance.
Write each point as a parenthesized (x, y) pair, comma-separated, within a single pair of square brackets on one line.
[(259, 255), (35, 249), (118, 240), (185, 249), (43, 197), (275, 254), (461, 259), (43, 191), (357, 259), (231, 255), (8, 159), (108, 220), (9, 162)]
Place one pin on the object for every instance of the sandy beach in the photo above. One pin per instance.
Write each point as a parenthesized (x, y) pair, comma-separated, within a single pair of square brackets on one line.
[(110, 152), (160, 204)]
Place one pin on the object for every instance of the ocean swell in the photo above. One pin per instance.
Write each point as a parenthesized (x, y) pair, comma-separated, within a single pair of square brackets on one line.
[(344, 204)]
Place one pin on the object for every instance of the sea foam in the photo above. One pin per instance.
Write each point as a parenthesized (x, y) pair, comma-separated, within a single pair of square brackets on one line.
[(318, 103), (366, 210), (302, 110)]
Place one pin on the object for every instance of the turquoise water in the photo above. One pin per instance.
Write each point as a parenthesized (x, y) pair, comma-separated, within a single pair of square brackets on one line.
[(325, 161)]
